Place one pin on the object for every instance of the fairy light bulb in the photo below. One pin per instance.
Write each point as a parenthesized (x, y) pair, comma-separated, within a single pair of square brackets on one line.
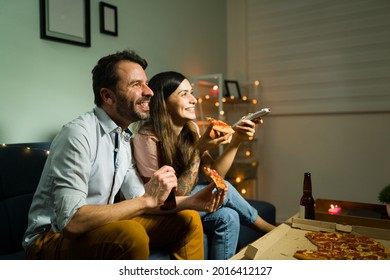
[(238, 179)]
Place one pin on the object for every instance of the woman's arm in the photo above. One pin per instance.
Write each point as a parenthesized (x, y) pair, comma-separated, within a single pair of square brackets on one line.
[(223, 163), (188, 179), (146, 159)]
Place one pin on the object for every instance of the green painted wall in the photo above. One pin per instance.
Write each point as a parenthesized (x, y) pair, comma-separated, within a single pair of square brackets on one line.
[(44, 84)]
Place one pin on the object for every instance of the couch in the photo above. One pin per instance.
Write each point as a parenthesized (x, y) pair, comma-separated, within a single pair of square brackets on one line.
[(20, 170)]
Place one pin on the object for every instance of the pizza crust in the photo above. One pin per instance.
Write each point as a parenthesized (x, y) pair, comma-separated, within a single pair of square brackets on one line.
[(309, 255)]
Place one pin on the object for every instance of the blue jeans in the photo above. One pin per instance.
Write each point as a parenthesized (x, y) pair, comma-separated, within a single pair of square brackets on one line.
[(223, 225)]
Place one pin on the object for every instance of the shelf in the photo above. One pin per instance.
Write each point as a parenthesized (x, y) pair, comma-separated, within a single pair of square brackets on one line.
[(247, 187), (212, 102)]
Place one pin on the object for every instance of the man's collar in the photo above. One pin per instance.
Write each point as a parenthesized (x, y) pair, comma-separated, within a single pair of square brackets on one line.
[(106, 122)]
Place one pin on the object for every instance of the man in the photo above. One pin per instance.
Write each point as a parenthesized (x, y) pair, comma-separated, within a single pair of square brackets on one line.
[(73, 214)]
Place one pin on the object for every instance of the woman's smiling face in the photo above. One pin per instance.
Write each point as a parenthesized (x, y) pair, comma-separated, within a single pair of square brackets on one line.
[(181, 103)]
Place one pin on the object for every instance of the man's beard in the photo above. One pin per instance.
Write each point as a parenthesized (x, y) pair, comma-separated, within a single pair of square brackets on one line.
[(129, 112)]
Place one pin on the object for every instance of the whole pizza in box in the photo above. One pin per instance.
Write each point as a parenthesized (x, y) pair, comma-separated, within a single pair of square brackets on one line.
[(342, 246)]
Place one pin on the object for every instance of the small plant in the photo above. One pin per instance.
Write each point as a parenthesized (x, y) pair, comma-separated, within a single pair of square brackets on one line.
[(384, 195)]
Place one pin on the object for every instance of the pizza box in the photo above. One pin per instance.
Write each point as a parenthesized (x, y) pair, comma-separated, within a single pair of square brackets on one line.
[(353, 213), (314, 225), (282, 242)]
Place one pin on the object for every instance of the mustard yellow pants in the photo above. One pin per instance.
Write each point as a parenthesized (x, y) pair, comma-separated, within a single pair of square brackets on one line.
[(131, 239)]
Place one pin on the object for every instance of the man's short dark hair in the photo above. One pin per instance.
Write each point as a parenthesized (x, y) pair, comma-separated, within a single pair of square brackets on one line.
[(104, 74)]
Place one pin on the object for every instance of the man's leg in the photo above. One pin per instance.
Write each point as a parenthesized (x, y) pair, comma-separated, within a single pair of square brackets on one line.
[(125, 239), (182, 232)]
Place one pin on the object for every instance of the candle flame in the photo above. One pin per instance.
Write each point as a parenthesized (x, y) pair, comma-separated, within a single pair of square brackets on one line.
[(333, 206)]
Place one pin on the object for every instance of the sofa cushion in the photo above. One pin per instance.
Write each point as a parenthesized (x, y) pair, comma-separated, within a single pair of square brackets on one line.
[(20, 171), (13, 218)]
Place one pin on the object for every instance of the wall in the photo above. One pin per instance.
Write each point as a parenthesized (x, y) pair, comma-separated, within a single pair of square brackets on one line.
[(45, 84), (324, 68)]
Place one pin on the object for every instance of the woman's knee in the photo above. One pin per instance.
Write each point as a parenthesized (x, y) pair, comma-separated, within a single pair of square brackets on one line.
[(228, 216), (224, 218)]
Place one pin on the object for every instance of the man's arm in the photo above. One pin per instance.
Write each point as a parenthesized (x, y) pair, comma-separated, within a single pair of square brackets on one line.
[(89, 217)]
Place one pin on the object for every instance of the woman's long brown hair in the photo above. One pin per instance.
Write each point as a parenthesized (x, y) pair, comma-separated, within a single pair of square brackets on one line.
[(178, 150)]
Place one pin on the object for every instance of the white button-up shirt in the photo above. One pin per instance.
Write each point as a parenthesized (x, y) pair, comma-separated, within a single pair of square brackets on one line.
[(80, 170)]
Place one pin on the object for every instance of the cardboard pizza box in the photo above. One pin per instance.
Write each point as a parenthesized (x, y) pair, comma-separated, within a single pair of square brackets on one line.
[(282, 242), (353, 213)]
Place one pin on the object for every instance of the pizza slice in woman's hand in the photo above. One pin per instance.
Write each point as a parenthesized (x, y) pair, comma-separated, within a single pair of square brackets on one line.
[(217, 179), (220, 126)]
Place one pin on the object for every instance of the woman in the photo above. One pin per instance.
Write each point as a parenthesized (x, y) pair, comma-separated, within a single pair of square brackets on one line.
[(171, 123)]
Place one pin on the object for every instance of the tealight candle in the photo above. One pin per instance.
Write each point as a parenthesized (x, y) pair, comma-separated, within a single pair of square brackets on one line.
[(214, 91), (334, 210)]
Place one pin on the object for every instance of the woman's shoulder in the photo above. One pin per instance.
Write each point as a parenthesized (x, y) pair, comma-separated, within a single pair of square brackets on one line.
[(142, 129)]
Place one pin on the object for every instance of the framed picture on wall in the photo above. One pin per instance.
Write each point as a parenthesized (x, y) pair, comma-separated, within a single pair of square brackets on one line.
[(108, 19), (66, 21), (232, 89)]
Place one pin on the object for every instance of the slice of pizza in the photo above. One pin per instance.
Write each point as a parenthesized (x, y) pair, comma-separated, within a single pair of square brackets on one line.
[(220, 126), (323, 240), (312, 255), (217, 179)]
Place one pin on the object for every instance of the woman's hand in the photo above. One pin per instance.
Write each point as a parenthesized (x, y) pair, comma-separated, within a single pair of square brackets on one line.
[(208, 199), (212, 139), (246, 128)]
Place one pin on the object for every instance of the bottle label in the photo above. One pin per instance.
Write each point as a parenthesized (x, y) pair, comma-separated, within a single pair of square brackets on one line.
[(301, 211)]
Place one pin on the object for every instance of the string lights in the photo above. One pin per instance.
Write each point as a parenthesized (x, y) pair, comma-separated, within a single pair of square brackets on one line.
[(213, 93)]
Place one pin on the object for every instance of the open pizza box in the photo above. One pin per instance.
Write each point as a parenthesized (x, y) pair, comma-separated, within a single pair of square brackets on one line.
[(286, 239), (353, 213)]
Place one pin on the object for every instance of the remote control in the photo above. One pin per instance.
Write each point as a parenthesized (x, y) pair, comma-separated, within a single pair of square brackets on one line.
[(255, 115)]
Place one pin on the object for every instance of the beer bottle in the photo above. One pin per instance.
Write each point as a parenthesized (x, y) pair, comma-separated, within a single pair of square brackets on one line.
[(306, 209), (170, 202)]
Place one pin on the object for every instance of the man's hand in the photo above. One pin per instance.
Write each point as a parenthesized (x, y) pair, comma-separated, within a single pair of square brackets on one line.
[(160, 185)]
